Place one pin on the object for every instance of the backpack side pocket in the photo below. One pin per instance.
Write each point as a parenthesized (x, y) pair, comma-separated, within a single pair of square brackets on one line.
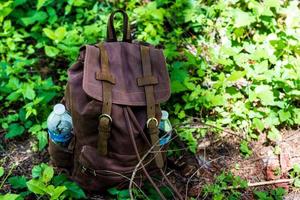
[(61, 156)]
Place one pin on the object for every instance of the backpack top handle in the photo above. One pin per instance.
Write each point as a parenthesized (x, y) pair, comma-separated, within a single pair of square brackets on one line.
[(111, 33)]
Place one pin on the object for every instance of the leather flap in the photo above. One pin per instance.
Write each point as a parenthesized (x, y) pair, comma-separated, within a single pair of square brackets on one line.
[(126, 67)]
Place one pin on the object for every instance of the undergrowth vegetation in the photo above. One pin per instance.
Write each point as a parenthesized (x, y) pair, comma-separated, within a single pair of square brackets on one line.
[(233, 64)]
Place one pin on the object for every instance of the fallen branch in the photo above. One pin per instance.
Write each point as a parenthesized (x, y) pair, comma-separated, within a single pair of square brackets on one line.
[(271, 182), (264, 183)]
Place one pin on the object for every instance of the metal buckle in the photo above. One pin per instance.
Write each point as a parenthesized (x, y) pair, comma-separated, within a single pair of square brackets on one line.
[(150, 119), (83, 169), (106, 115)]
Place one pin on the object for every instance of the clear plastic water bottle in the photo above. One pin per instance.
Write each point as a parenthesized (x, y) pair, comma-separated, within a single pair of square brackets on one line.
[(60, 125), (165, 128)]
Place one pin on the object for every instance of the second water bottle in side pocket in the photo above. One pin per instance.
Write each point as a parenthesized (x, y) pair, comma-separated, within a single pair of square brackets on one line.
[(165, 128)]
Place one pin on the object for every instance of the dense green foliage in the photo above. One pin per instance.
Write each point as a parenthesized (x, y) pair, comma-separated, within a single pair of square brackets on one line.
[(233, 63)]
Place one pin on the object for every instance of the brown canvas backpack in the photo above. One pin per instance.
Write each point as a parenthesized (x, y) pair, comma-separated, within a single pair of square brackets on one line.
[(113, 94)]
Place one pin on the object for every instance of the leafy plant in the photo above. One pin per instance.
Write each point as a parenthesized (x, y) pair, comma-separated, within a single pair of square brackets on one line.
[(275, 194), (295, 174), (226, 186), (45, 184)]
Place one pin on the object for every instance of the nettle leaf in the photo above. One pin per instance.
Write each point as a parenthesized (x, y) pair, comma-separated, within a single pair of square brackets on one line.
[(49, 33), (297, 182), (36, 171), (242, 18), (74, 190), (258, 124), (218, 100), (177, 87), (274, 135), (59, 180), (56, 35), (27, 91), (38, 16), (296, 115), (178, 76), (40, 3), (14, 130), (284, 115), (265, 94), (48, 173), (18, 182), (10, 196), (42, 137), (261, 67), (60, 33), (244, 148), (36, 186), (51, 51), (236, 75), (57, 192)]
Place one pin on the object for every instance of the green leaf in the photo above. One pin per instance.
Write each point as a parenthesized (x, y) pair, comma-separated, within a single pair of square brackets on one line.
[(40, 3), (60, 33), (1, 171), (42, 138), (9, 196), (236, 75), (274, 135), (28, 91), (59, 180), (56, 35), (36, 186), (218, 100), (244, 148), (74, 190), (36, 171), (48, 173), (258, 124), (49, 33), (284, 115), (242, 18), (51, 51), (297, 182), (265, 94), (14, 130), (177, 87), (57, 192), (18, 182), (38, 16), (113, 191)]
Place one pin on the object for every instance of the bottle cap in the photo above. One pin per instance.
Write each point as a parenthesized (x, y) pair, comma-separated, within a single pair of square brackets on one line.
[(59, 109), (164, 115)]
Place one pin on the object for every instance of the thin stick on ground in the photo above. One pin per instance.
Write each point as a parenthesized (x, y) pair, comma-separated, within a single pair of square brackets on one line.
[(256, 184)]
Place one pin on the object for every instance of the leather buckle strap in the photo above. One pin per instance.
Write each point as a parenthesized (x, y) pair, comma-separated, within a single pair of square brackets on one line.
[(107, 116), (104, 129), (105, 119), (152, 122)]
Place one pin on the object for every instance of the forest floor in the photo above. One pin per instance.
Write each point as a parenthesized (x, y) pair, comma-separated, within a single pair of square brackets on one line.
[(191, 172)]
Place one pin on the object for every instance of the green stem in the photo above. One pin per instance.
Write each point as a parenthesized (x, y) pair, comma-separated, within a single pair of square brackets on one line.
[(9, 173)]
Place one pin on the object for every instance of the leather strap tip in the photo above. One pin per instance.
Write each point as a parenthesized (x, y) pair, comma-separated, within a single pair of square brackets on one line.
[(147, 80), (105, 77)]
